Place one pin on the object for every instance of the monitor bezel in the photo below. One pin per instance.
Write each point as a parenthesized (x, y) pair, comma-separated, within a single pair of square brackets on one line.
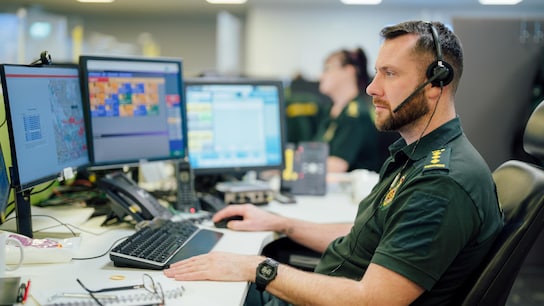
[(130, 163), (14, 169), (281, 115)]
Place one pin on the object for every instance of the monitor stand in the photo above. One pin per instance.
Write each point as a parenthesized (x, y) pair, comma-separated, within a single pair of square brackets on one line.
[(24, 215)]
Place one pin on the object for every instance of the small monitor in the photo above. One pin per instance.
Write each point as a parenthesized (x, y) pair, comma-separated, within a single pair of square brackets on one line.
[(235, 126), (45, 120), (134, 108)]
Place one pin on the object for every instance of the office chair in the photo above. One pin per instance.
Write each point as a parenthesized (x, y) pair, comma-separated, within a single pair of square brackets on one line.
[(533, 138), (520, 188)]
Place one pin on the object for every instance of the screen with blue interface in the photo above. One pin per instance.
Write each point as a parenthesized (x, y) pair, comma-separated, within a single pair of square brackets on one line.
[(234, 125), (135, 109), (45, 122)]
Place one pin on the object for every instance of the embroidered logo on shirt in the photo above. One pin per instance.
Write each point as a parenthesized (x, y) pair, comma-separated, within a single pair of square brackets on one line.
[(393, 190)]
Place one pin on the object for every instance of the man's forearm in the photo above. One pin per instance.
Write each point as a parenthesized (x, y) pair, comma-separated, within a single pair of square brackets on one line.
[(315, 236), (299, 288)]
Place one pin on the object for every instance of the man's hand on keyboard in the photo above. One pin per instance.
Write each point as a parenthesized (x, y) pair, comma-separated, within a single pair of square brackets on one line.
[(217, 266)]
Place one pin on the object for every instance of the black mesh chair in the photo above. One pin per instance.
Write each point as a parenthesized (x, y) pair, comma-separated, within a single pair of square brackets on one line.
[(520, 188)]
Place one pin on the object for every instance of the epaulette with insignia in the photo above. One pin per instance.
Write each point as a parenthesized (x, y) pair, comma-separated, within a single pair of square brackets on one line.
[(298, 109), (438, 160)]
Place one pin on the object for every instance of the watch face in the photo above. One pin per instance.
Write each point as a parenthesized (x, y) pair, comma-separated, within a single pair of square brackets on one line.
[(267, 271)]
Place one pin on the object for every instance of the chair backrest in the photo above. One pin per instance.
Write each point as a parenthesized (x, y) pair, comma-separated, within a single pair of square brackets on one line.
[(520, 188), (533, 136)]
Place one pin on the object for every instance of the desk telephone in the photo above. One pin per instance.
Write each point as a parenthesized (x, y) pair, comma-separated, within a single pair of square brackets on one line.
[(187, 200), (129, 199)]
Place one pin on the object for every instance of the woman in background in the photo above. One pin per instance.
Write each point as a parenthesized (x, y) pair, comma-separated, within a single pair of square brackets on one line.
[(348, 125)]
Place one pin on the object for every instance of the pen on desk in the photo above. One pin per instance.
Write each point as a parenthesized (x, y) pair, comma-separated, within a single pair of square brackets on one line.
[(21, 292), (25, 295)]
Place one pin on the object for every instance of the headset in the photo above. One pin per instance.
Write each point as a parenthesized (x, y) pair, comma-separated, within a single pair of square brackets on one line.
[(45, 59), (439, 72)]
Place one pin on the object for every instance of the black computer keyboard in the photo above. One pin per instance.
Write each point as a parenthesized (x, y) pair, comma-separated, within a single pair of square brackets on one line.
[(162, 242)]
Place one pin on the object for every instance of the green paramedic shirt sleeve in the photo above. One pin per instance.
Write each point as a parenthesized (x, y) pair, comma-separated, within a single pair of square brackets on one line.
[(433, 224), (424, 230)]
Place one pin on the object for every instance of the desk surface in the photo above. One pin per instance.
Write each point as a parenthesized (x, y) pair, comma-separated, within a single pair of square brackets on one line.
[(332, 208), (51, 279)]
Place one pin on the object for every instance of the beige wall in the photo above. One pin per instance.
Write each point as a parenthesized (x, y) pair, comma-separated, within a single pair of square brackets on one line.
[(191, 38)]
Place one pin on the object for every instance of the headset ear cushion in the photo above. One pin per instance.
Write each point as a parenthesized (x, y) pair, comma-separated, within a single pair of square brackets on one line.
[(437, 68)]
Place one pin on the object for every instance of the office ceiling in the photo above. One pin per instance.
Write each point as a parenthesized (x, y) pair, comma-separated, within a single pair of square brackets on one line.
[(160, 7)]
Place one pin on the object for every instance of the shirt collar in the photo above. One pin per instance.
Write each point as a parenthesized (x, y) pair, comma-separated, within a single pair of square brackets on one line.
[(434, 140)]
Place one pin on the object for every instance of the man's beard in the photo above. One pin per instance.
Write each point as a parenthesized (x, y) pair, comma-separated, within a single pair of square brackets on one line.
[(408, 113)]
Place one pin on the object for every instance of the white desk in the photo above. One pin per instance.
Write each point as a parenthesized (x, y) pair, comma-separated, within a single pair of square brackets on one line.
[(50, 279), (332, 208)]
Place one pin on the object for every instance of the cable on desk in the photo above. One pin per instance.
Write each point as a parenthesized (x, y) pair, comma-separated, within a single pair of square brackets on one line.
[(60, 223), (44, 188), (75, 235), (105, 253), (48, 216)]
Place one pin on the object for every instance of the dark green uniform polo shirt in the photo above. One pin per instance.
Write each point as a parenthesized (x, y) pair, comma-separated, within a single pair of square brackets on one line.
[(303, 110), (352, 136), (433, 223)]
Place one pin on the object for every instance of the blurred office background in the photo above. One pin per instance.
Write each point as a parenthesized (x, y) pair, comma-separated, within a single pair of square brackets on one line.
[(281, 38), (504, 46)]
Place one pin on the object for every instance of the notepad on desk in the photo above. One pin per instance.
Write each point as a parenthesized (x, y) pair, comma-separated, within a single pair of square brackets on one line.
[(133, 298)]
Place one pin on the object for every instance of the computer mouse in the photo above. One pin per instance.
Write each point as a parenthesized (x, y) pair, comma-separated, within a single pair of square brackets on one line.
[(223, 222)]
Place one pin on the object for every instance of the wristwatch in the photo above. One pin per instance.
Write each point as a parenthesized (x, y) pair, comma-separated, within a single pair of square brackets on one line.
[(266, 272)]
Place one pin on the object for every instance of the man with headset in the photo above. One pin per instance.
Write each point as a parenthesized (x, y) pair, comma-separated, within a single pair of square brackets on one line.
[(427, 223)]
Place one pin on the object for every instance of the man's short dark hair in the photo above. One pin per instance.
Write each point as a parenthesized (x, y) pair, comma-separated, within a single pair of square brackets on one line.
[(425, 46)]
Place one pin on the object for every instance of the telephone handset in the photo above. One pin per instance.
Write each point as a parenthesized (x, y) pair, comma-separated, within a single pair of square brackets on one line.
[(129, 199), (187, 200)]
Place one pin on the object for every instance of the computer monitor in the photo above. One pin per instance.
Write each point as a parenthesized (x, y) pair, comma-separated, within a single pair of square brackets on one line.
[(134, 107), (46, 129), (235, 126)]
